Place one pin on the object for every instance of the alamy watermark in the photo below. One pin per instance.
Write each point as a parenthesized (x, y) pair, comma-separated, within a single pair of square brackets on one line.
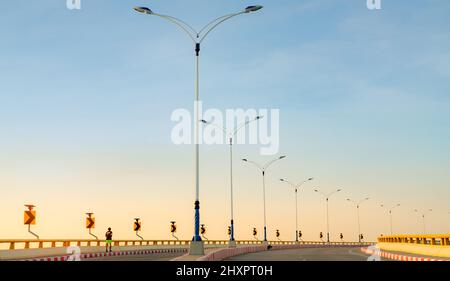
[(250, 126), (375, 253), (74, 253), (374, 4), (73, 4)]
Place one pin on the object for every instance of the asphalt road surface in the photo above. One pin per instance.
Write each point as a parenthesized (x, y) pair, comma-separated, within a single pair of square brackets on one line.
[(312, 254), (150, 257)]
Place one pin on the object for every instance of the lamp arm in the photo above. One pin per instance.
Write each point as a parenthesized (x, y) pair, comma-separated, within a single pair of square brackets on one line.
[(184, 26), (218, 23)]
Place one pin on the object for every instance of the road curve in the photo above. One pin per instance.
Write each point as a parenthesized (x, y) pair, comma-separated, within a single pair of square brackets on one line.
[(150, 257), (306, 254)]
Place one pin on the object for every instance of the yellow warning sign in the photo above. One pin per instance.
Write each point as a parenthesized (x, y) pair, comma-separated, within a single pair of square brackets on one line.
[(137, 226), (90, 222), (29, 217)]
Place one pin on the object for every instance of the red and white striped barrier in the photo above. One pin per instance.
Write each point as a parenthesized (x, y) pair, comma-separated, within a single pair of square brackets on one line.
[(397, 257), (231, 252), (109, 254)]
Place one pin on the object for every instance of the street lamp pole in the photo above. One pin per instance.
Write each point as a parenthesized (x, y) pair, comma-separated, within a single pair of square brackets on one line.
[(423, 218), (196, 246), (296, 188), (390, 216), (327, 197), (263, 171), (231, 135), (358, 203)]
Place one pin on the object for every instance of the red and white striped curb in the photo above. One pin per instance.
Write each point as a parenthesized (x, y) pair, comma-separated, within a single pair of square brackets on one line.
[(231, 252), (110, 254), (397, 257)]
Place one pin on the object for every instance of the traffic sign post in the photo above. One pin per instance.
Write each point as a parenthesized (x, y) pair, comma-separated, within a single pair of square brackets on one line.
[(137, 227), (255, 232), (29, 218), (90, 224), (173, 229), (203, 231)]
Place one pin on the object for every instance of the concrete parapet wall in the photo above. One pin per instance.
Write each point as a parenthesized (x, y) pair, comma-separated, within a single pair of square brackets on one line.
[(419, 249)]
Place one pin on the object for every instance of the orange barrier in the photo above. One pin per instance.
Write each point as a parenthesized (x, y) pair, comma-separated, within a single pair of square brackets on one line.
[(435, 240)]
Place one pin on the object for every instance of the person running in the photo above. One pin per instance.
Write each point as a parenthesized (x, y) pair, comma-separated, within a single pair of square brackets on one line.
[(109, 235)]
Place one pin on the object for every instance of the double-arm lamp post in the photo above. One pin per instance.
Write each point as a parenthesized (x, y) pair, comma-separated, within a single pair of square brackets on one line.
[(296, 189), (197, 37), (231, 136), (263, 170), (327, 197), (390, 215), (423, 219), (358, 203)]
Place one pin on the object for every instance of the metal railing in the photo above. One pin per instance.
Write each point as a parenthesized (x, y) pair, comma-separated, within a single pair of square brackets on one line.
[(433, 240), (55, 243)]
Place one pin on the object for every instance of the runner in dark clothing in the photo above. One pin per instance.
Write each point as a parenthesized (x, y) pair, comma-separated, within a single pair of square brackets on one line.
[(109, 235)]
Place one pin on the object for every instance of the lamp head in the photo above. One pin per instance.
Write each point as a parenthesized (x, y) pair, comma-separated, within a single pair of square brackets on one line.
[(281, 157), (143, 10), (245, 160), (254, 8), (310, 179), (204, 121)]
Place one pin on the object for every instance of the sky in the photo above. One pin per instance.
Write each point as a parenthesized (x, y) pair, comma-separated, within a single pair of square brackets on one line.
[(86, 98)]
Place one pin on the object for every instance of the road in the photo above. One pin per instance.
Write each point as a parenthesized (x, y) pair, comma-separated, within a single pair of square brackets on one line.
[(149, 257), (308, 254)]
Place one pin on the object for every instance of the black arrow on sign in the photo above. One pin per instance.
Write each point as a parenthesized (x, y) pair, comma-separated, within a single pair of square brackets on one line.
[(30, 216), (91, 222)]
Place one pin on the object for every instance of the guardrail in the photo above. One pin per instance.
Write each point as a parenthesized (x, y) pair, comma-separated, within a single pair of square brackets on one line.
[(55, 243), (436, 240)]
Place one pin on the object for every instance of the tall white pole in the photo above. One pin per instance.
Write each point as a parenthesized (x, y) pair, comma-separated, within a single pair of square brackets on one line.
[(328, 225), (296, 215), (197, 160), (359, 225), (264, 201), (390, 218), (231, 187)]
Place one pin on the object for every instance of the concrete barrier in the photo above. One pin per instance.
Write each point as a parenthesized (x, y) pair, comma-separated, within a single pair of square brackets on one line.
[(427, 245), (86, 252)]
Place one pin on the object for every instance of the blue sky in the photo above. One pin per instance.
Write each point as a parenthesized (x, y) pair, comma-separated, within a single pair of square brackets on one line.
[(363, 95)]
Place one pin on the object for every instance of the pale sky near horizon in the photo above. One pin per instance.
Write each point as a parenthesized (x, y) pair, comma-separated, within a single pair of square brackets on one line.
[(86, 98)]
